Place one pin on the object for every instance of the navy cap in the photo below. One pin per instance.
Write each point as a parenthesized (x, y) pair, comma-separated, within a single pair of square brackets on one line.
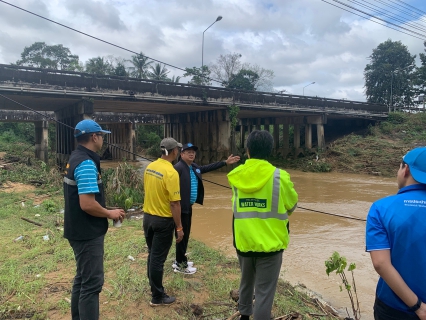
[(88, 126), (189, 145), (416, 160)]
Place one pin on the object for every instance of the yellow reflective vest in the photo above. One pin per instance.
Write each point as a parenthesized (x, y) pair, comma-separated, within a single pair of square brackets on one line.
[(263, 198)]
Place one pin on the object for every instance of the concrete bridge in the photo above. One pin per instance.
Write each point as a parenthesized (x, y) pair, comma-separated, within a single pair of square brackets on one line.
[(202, 115)]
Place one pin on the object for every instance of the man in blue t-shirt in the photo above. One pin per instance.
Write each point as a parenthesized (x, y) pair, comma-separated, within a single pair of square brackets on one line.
[(396, 240)]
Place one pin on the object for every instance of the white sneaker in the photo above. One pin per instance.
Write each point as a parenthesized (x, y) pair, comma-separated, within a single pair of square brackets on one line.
[(189, 270), (189, 263)]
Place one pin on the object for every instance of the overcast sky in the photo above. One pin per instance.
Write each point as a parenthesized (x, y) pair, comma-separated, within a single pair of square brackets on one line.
[(300, 40)]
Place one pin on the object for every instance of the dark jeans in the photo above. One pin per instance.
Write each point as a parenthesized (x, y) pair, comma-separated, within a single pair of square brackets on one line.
[(159, 237), (89, 278), (182, 246), (383, 312)]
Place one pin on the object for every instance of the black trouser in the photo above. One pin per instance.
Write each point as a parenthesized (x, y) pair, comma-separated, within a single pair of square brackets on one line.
[(159, 237), (383, 312), (89, 278), (182, 246)]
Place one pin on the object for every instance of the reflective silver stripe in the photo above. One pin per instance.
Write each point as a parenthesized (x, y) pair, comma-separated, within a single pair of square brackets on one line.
[(235, 200), (274, 205), (260, 215), (73, 183), (276, 191), (70, 182)]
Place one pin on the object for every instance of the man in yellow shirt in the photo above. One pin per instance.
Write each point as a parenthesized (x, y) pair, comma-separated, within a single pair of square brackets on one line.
[(161, 216)]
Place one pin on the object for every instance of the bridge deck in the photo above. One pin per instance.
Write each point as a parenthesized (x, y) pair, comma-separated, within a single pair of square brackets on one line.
[(51, 90)]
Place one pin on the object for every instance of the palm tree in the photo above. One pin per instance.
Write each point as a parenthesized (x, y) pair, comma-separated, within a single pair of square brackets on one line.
[(140, 66), (99, 66), (158, 72), (174, 80)]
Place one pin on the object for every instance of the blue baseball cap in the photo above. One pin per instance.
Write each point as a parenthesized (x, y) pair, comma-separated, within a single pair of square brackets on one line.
[(189, 145), (416, 160), (88, 126)]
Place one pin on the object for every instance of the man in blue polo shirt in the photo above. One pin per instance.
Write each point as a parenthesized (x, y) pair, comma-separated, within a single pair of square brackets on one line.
[(396, 240), (86, 219)]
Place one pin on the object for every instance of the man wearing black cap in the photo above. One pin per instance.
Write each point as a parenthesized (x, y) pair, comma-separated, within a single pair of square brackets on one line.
[(86, 219), (191, 191), (396, 238), (161, 216)]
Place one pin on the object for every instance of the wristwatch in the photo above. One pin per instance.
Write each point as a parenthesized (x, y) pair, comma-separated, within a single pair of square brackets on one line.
[(416, 306)]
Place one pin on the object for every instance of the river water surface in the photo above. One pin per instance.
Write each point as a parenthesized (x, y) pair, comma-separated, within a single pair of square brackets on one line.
[(314, 236)]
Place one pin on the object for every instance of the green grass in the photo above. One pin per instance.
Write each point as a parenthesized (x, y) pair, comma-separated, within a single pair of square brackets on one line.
[(376, 151), (36, 275)]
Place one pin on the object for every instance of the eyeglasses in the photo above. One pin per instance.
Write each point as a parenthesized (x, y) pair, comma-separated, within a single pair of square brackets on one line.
[(100, 135)]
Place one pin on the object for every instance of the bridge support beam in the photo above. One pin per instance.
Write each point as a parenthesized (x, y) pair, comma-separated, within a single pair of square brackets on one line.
[(319, 121), (308, 136), (70, 116), (41, 140), (210, 131), (122, 136)]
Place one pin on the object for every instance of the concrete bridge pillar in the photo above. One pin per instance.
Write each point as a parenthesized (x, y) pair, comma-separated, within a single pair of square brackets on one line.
[(308, 136), (41, 140), (286, 140), (276, 135), (70, 116), (122, 136), (210, 131), (296, 134), (320, 136), (319, 121), (243, 130)]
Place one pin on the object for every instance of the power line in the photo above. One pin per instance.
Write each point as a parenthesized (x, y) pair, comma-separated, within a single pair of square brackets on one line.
[(377, 18), (104, 41), (412, 14), (369, 16), (390, 15)]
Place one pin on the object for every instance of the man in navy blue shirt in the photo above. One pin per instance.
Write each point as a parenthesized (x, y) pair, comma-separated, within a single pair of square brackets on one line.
[(396, 240), (86, 219), (191, 191)]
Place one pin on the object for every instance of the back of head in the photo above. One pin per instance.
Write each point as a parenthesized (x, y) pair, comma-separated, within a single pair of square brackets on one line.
[(260, 144), (168, 144), (416, 160)]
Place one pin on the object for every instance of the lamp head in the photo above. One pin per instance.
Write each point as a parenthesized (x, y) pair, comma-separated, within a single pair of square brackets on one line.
[(219, 18)]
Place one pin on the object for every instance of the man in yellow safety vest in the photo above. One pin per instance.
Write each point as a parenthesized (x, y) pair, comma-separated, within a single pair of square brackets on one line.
[(263, 198)]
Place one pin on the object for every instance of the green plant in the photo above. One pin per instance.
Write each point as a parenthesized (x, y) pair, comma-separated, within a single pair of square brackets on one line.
[(233, 113), (123, 186), (50, 206), (338, 264)]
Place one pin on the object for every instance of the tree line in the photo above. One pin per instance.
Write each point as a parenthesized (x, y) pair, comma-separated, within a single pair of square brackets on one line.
[(392, 78), (228, 69)]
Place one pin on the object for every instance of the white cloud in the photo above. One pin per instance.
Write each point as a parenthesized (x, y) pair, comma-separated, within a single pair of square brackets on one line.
[(302, 41)]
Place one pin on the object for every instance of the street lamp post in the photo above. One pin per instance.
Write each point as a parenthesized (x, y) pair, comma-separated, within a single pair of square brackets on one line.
[(306, 86), (202, 47)]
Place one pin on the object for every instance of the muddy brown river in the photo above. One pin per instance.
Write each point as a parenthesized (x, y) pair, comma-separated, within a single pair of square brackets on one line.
[(314, 236)]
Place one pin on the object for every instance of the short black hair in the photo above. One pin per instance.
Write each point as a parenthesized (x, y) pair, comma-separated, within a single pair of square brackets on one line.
[(84, 138), (260, 144)]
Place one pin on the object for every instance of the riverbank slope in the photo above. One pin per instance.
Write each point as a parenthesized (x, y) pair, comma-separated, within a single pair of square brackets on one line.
[(376, 150)]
